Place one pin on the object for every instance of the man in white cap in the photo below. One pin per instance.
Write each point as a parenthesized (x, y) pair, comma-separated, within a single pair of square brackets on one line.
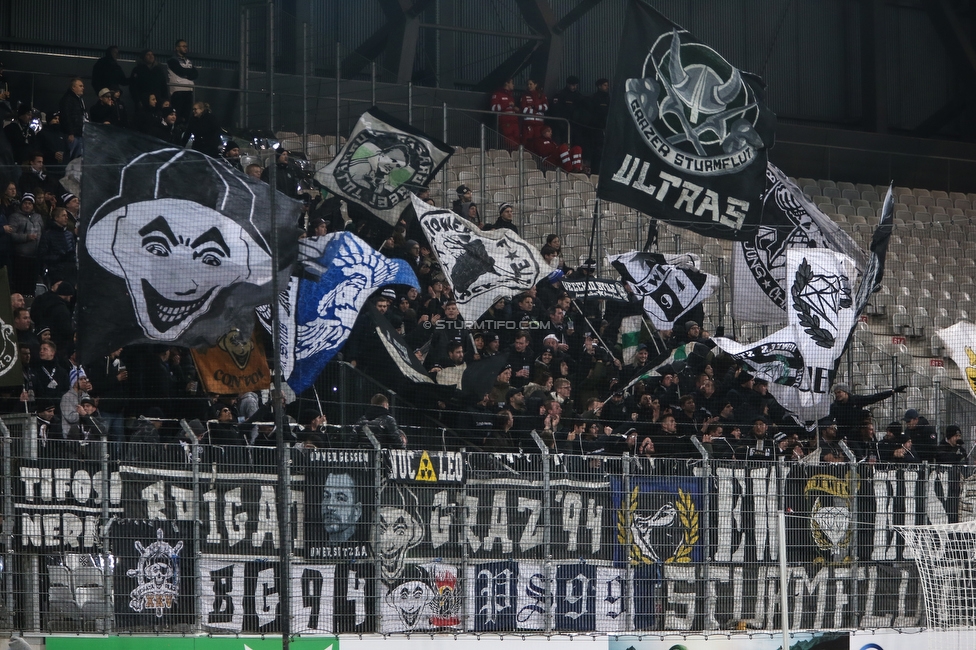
[(71, 409)]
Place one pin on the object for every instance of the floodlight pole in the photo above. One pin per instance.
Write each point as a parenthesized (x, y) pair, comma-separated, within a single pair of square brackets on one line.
[(284, 458)]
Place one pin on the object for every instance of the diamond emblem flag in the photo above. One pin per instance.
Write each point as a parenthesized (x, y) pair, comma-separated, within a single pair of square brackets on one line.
[(481, 266), (800, 360), (382, 164), (789, 220), (687, 132)]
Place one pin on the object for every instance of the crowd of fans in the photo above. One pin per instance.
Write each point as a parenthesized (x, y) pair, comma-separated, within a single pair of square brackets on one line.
[(563, 377)]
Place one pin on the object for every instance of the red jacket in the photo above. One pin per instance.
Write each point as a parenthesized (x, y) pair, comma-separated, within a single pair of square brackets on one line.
[(503, 101), (534, 102), (543, 147)]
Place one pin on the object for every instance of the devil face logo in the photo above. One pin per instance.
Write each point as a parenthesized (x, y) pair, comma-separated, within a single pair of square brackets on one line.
[(694, 109)]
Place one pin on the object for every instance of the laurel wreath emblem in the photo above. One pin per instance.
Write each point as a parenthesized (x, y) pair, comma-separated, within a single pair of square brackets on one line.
[(688, 517), (808, 320)]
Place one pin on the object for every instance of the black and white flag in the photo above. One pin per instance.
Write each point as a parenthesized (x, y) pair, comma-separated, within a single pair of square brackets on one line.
[(382, 164), (760, 289), (596, 288), (668, 285), (687, 132), (481, 266), (175, 245), (800, 360)]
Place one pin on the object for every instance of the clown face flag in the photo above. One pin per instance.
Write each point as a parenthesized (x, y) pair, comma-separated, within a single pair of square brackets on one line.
[(760, 289), (687, 132), (175, 245), (344, 272), (960, 343), (800, 360), (481, 266), (382, 164), (669, 285)]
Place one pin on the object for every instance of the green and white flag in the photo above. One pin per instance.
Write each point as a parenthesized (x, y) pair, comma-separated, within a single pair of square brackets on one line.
[(630, 329), (382, 164)]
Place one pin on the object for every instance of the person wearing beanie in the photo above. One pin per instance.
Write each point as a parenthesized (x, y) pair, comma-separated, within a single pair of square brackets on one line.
[(506, 217), (20, 134), (232, 155), (71, 410), (848, 409), (951, 450), (464, 196), (26, 226)]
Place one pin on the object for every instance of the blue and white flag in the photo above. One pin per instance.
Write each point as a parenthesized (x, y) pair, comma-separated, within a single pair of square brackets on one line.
[(349, 271)]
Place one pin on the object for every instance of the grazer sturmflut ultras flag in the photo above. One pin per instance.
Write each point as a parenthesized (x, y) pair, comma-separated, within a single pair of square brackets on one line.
[(668, 285), (481, 266), (175, 246), (687, 132), (800, 360), (760, 289), (383, 163)]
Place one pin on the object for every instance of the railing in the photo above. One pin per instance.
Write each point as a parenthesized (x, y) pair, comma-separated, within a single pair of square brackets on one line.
[(182, 538)]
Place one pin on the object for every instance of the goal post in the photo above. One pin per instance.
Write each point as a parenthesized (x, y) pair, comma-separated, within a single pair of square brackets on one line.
[(945, 555)]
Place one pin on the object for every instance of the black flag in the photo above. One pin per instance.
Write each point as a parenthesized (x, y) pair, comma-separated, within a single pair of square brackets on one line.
[(175, 245), (687, 132)]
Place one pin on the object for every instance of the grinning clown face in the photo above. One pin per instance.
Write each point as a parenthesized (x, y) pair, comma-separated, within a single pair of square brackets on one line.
[(175, 257)]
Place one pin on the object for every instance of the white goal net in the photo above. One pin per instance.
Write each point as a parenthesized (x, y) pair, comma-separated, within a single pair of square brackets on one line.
[(945, 555)]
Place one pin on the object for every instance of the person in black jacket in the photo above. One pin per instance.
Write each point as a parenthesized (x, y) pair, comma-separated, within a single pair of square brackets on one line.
[(568, 104), (166, 129), (56, 250), (377, 417), (285, 180), (53, 144), (506, 214), (148, 78), (951, 451), (204, 130), (20, 135), (848, 409), (107, 73), (52, 310), (74, 114), (925, 439)]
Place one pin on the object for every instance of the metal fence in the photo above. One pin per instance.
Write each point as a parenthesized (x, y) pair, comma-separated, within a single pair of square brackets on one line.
[(185, 538)]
